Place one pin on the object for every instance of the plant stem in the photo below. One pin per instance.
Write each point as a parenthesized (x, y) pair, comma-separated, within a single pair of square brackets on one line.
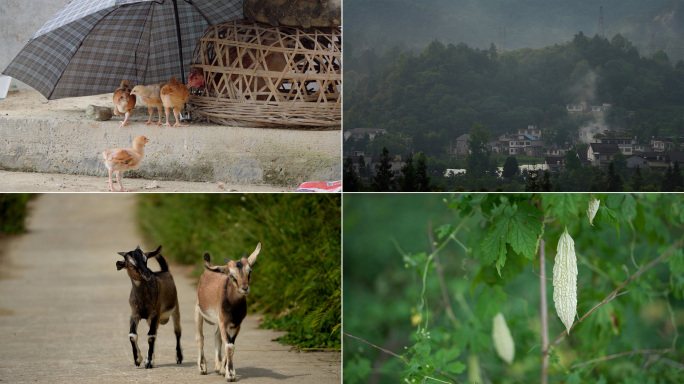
[(628, 353), (614, 294), (401, 357), (544, 313), (440, 274)]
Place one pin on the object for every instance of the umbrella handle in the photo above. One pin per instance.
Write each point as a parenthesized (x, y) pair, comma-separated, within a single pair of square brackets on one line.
[(180, 41)]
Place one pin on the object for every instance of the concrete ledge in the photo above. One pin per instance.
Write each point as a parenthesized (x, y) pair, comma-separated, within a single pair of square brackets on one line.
[(57, 137)]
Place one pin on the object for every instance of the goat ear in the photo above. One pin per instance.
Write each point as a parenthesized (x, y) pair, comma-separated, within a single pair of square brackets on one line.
[(214, 268), (154, 253), (120, 265), (252, 258), (227, 260)]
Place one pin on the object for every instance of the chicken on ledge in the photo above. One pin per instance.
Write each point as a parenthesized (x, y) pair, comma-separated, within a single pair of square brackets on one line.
[(174, 95), (149, 96), (123, 159), (124, 102)]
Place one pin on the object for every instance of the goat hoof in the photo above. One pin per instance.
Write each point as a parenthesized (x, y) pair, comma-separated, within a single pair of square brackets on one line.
[(148, 365)]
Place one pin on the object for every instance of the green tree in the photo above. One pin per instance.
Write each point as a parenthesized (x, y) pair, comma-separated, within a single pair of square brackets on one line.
[(422, 173), (677, 177), (614, 181), (637, 180), (546, 182), (572, 161), (510, 167), (349, 178), (477, 162), (363, 168), (668, 184), (383, 180), (409, 183)]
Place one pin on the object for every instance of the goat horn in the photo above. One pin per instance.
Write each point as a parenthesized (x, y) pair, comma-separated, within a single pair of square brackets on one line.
[(122, 254)]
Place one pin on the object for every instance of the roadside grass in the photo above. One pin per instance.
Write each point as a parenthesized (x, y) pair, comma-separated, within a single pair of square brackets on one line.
[(296, 279)]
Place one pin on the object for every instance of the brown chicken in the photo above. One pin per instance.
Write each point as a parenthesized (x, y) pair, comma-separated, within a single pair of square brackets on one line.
[(123, 159), (149, 96), (124, 102), (174, 95)]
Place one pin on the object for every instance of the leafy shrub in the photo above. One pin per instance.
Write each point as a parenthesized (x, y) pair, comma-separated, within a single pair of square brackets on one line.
[(13, 212), (296, 280)]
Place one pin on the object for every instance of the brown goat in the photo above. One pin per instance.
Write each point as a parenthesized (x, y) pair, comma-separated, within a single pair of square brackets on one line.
[(221, 300), (153, 297)]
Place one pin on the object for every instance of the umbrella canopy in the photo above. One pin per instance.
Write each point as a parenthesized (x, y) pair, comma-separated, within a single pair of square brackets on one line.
[(88, 47)]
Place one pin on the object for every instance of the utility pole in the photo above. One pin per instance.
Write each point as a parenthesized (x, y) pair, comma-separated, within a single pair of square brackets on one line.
[(601, 31)]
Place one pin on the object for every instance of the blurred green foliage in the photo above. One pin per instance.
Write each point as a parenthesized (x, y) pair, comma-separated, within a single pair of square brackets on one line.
[(296, 280), (396, 300), (13, 212)]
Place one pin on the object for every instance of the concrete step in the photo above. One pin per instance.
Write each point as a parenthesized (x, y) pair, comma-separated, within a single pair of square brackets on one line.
[(55, 136)]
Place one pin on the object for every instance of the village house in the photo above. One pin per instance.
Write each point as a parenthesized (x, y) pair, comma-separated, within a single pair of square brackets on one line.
[(555, 163), (656, 160), (526, 142), (600, 154), (584, 108), (396, 161), (634, 161), (461, 148), (360, 133), (624, 143), (675, 157), (662, 144)]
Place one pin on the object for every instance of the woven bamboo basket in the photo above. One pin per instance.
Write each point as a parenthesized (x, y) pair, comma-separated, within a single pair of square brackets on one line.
[(264, 76)]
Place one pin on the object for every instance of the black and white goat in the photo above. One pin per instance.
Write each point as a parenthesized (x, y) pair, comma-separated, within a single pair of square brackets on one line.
[(153, 297), (221, 300)]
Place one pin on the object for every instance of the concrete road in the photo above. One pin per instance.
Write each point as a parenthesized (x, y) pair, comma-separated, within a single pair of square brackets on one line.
[(64, 307)]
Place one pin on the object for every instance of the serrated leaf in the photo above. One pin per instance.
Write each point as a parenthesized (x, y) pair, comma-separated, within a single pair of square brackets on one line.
[(562, 206), (494, 245), (608, 216), (525, 227)]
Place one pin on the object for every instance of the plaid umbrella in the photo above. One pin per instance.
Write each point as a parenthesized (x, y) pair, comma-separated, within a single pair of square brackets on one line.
[(88, 47)]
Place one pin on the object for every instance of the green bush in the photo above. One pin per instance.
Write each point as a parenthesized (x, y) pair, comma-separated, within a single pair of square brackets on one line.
[(296, 280), (13, 212)]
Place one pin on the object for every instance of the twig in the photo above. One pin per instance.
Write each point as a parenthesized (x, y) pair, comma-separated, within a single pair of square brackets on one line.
[(614, 294), (628, 353), (544, 312), (401, 357), (376, 347), (440, 274)]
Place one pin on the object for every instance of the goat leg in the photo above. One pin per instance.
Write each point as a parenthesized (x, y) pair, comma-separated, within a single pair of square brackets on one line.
[(229, 333), (151, 336), (133, 336), (218, 361), (199, 337), (177, 331)]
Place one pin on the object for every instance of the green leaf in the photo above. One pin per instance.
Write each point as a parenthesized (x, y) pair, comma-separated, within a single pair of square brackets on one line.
[(525, 227), (614, 200), (562, 206), (573, 378), (494, 245), (608, 216), (444, 230), (640, 219), (629, 208), (456, 368)]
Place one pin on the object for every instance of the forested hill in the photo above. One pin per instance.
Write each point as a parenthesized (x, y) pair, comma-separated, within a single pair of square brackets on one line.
[(380, 24), (437, 95)]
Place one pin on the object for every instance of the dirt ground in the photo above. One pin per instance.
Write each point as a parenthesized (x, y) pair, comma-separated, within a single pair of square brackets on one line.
[(64, 307), (11, 181)]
